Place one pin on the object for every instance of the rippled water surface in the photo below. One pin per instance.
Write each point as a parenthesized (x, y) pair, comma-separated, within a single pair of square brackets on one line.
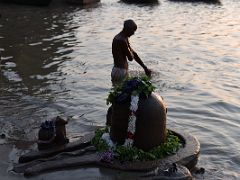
[(57, 60)]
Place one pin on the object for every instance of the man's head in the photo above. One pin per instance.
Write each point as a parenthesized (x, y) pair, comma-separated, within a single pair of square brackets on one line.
[(129, 27)]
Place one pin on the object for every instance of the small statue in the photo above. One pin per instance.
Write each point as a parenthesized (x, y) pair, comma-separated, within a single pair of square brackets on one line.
[(52, 133)]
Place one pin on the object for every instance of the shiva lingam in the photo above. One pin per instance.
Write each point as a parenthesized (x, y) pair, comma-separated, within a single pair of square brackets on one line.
[(136, 123), (150, 130), (149, 116), (137, 120)]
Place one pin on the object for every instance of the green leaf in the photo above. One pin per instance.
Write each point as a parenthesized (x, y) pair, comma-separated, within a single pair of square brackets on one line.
[(123, 153)]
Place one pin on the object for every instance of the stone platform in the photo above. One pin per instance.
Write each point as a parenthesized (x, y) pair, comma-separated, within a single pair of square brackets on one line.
[(83, 154)]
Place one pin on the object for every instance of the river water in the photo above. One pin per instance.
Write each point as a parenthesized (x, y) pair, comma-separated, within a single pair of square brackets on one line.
[(57, 60)]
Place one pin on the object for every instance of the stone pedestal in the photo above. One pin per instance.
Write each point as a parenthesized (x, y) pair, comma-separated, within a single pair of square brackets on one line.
[(30, 165), (150, 124)]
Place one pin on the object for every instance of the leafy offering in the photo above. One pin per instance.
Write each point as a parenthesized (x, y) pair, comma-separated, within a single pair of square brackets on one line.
[(127, 153)]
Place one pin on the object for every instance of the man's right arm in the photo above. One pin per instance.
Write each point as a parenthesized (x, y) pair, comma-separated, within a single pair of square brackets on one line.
[(140, 62)]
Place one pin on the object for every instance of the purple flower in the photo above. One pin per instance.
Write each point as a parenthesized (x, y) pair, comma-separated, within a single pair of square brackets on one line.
[(127, 90), (107, 156), (131, 85)]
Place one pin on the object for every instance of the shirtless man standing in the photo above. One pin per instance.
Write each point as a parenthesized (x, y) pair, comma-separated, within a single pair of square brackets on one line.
[(122, 52)]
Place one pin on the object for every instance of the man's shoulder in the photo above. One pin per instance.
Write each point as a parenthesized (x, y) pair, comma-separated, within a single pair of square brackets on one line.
[(119, 38)]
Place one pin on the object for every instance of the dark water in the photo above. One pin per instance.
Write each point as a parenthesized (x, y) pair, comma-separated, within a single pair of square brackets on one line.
[(57, 61)]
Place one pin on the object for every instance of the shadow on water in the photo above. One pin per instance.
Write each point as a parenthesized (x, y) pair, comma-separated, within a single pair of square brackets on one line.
[(141, 3), (45, 3), (217, 2), (41, 3)]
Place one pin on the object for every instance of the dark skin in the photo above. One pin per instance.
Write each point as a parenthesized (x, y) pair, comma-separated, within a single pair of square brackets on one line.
[(122, 50)]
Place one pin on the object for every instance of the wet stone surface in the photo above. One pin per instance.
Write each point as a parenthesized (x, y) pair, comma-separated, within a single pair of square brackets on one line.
[(81, 155)]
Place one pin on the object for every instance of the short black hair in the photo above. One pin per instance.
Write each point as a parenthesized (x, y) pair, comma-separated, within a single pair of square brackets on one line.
[(129, 24)]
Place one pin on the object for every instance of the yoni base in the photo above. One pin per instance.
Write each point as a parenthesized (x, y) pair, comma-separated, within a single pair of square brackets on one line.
[(86, 155)]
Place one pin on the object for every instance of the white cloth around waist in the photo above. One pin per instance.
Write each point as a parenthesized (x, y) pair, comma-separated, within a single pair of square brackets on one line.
[(118, 74)]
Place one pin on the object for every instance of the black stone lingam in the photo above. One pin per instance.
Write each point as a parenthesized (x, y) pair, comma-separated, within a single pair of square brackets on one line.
[(150, 124)]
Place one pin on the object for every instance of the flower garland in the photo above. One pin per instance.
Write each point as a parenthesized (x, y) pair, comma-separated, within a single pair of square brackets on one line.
[(131, 87), (108, 155), (132, 120)]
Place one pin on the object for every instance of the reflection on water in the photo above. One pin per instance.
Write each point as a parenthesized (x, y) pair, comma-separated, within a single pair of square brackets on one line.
[(57, 61)]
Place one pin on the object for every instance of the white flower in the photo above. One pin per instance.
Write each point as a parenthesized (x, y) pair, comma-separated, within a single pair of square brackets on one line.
[(134, 103), (107, 139), (128, 142), (135, 98), (132, 124), (132, 118)]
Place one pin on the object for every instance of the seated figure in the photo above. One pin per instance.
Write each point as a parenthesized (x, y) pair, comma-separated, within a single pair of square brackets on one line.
[(52, 133)]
